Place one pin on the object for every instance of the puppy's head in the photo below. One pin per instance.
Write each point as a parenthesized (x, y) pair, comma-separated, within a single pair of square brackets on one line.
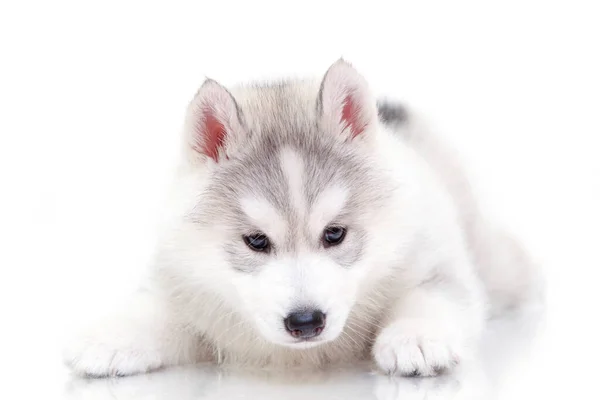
[(290, 211)]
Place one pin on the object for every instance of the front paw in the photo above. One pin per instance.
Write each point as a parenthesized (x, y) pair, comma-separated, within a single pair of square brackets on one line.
[(417, 348), (105, 353)]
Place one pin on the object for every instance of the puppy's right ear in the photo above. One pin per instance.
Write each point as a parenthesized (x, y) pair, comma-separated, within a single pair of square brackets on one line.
[(213, 123)]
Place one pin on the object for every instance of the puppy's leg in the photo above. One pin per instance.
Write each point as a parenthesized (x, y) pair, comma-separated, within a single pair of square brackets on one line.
[(140, 338), (428, 331)]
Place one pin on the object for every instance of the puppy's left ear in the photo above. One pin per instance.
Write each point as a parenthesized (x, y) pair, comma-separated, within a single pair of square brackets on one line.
[(345, 104)]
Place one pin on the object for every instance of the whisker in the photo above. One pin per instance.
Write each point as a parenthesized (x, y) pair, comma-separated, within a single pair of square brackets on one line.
[(347, 335), (359, 334)]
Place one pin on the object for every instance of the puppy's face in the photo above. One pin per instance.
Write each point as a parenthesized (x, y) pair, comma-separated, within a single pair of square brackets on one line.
[(296, 237), (291, 211)]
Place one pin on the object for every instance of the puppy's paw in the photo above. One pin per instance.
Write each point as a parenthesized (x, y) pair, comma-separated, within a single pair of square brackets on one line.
[(109, 352), (416, 348)]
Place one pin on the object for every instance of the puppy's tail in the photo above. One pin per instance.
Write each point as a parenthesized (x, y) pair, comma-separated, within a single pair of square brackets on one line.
[(391, 112)]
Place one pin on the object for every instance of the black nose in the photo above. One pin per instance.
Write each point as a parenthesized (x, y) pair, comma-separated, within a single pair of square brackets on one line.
[(305, 324)]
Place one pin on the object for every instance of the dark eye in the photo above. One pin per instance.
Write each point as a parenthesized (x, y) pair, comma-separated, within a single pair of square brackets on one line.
[(257, 242), (333, 235)]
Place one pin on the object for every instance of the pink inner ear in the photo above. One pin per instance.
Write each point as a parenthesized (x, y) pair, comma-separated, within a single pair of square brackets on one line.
[(213, 134), (351, 116)]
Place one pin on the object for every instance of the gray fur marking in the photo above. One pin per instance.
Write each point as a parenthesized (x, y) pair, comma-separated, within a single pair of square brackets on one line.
[(282, 118)]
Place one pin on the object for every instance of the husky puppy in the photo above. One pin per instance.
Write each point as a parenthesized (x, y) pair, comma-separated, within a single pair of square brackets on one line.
[(312, 225)]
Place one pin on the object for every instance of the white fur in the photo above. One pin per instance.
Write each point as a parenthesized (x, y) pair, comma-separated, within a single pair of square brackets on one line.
[(260, 211), (293, 168), (326, 207), (415, 301)]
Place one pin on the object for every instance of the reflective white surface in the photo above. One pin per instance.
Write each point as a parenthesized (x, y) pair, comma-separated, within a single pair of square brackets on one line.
[(505, 345)]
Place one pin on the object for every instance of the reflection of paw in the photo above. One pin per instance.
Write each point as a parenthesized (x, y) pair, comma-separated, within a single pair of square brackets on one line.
[(414, 349), (109, 354), (397, 388), (180, 383), (79, 389)]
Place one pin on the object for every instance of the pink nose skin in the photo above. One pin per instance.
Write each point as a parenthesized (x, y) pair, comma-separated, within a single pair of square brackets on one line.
[(305, 324)]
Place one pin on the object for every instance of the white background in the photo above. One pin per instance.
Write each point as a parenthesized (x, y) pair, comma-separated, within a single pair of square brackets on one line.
[(92, 98)]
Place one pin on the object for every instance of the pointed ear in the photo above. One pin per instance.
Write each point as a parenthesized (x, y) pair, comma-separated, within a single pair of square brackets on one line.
[(213, 123), (345, 104)]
